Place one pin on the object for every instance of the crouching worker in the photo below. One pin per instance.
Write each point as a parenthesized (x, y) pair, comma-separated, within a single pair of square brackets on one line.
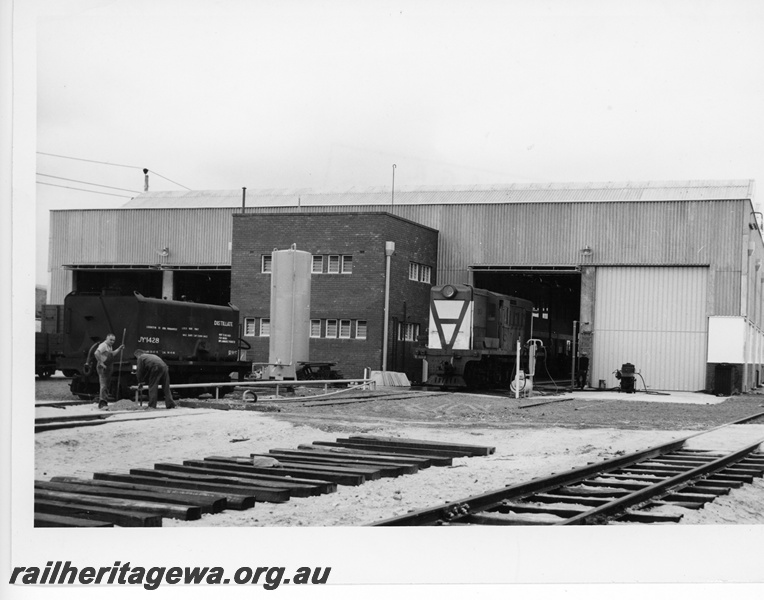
[(152, 371)]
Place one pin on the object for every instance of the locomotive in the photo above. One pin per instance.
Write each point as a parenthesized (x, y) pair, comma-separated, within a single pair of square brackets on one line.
[(473, 335), (199, 342)]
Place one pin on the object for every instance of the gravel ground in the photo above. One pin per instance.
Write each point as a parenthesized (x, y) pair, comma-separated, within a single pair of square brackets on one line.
[(530, 442)]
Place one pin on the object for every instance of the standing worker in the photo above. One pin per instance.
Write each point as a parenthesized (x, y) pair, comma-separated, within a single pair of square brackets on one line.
[(105, 366), (152, 370), (583, 370)]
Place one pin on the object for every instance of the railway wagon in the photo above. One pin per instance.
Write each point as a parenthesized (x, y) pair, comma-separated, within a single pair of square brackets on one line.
[(473, 335), (199, 342)]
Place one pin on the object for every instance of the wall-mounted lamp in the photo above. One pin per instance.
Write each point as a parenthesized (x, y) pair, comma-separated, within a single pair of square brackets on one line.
[(586, 251), (164, 251), (755, 225)]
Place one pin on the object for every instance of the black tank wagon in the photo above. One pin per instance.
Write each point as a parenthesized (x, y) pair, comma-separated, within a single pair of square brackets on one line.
[(199, 342)]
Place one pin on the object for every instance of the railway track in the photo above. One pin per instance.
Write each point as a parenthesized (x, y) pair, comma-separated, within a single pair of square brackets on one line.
[(623, 489)]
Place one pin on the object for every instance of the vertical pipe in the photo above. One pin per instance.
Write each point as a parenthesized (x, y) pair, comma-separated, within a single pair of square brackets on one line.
[(387, 313), (243, 199), (145, 180)]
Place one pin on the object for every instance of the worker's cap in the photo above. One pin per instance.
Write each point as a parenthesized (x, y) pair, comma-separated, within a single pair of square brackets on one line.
[(139, 352)]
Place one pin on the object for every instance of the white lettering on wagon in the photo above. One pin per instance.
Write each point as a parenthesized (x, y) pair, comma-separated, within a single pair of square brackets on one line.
[(224, 323), (148, 340)]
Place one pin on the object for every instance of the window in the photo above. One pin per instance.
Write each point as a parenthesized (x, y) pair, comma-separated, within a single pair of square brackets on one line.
[(331, 328), (408, 332), (414, 271), (419, 272), (249, 326), (265, 327), (267, 263), (315, 328), (345, 328), (318, 264), (360, 330), (334, 264)]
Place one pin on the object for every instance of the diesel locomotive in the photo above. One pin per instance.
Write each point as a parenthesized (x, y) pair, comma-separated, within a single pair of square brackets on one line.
[(473, 335), (199, 342)]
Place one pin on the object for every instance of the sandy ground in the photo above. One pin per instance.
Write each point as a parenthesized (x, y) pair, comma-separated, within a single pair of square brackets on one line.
[(522, 452)]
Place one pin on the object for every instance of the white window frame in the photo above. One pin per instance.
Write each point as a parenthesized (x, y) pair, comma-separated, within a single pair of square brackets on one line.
[(314, 322), (408, 332), (331, 324), (333, 258), (345, 325), (250, 331), (414, 271), (320, 259), (265, 328), (346, 266), (425, 274), (358, 335), (266, 268)]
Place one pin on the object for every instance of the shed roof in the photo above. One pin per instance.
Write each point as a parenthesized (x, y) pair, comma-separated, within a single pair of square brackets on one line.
[(653, 191)]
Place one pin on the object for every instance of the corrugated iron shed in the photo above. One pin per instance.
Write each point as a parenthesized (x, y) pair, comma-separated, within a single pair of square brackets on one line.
[(650, 191)]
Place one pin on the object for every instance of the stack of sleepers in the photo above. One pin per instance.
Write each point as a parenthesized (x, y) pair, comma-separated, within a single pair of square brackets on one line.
[(143, 497)]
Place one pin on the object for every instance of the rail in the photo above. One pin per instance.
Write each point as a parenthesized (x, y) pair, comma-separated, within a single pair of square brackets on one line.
[(366, 384), (613, 489)]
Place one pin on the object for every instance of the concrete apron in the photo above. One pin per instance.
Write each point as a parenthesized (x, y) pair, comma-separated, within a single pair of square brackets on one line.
[(665, 397)]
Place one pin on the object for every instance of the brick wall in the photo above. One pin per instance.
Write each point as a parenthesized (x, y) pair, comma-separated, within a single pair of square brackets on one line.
[(355, 296)]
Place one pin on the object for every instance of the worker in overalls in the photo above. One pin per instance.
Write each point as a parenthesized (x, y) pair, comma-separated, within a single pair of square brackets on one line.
[(105, 356), (152, 370)]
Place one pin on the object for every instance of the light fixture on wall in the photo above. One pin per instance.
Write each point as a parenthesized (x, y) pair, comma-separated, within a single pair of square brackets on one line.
[(586, 251), (164, 252)]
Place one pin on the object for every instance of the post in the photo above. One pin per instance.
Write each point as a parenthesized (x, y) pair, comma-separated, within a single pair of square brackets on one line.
[(392, 195), (243, 199), (517, 371), (389, 251), (573, 359)]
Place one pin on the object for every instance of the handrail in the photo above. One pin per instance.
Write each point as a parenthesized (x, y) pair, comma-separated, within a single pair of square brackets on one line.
[(371, 383)]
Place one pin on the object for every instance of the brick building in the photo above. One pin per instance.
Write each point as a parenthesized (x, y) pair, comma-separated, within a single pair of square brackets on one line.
[(347, 284)]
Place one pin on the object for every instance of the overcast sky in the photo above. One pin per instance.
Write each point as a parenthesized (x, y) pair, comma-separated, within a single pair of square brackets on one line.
[(328, 95)]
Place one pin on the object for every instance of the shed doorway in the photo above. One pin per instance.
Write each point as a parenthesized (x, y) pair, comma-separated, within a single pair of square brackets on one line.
[(556, 296)]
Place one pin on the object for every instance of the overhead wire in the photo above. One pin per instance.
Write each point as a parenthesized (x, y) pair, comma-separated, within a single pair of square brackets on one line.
[(170, 180), (100, 162), (87, 183), (68, 187)]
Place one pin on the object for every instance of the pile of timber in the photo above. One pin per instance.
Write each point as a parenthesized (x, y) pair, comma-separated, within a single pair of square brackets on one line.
[(143, 497)]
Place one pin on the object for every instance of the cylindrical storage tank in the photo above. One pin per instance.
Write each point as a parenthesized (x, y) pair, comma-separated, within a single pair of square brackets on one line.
[(290, 312)]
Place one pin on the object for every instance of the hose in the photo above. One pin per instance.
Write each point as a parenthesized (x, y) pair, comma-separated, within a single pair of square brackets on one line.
[(653, 393)]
